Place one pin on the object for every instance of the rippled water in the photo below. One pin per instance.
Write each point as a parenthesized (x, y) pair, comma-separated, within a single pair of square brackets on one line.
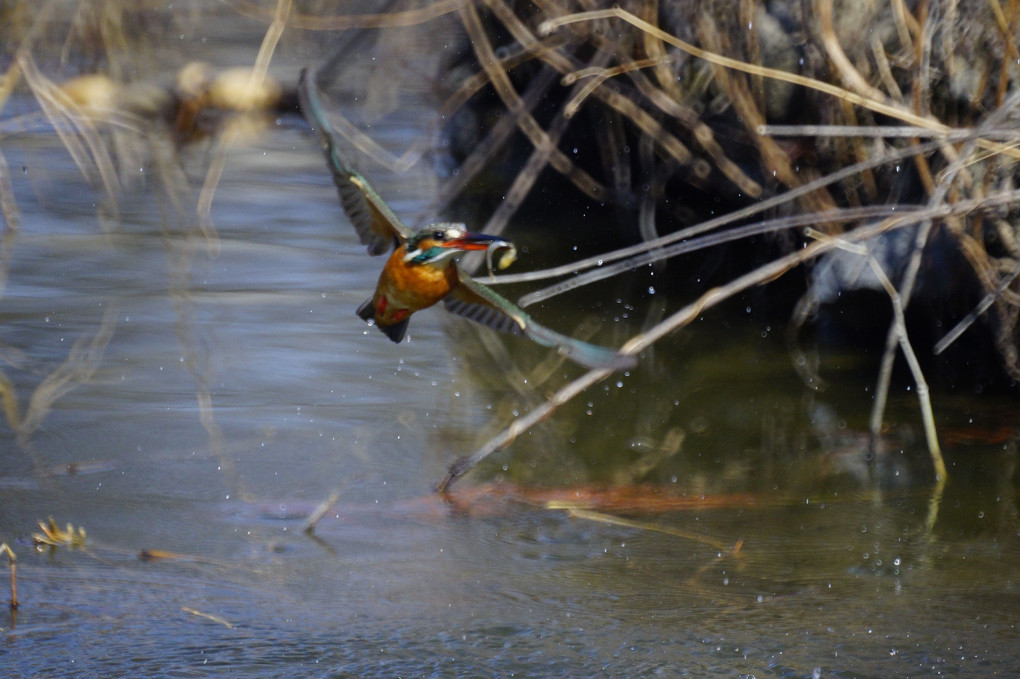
[(225, 393)]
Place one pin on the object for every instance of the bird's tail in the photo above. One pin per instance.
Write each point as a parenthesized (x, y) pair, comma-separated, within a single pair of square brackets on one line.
[(589, 355)]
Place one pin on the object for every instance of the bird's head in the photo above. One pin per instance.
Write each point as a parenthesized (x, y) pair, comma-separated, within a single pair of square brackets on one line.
[(438, 242)]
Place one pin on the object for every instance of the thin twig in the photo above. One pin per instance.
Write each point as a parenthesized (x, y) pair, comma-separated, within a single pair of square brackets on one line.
[(976, 312), (573, 268), (921, 385), (887, 131), (899, 327), (911, 216)]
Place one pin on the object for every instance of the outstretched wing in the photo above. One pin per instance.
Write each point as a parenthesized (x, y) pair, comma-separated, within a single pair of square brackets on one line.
[(377, 226), (479, 303)]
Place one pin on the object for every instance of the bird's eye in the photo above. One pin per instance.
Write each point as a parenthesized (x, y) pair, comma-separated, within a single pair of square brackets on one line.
[(438, 235)]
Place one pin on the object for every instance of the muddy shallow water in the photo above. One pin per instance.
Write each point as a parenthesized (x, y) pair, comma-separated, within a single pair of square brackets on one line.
[(222, 390)]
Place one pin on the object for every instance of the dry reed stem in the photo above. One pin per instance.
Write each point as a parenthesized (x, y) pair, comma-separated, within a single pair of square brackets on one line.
[(529, 173), (611, 520), (229, 137), (9, 399), (12, 221), (506, 91), (773, 157), (1007, 29), (12, 563), (497, 134), (623, 105), (319, 512), (887, 131), (846, 70), (656, 50), (921, 75), (384, 19), (984, 305), (495, 137), (702, 133), (82, 141), (899, 329), (669, 104), (884, 69)]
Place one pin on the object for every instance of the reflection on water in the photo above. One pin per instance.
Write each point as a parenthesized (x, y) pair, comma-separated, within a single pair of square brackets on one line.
[(211, 398)]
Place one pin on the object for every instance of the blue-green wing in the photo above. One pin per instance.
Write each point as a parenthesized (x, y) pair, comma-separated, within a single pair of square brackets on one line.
[(377, 226), (479, 303)]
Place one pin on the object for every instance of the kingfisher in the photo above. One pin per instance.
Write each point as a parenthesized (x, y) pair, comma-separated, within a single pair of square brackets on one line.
[(422, 269)]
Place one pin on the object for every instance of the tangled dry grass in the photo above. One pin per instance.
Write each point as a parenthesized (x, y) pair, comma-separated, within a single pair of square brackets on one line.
[(882, 136)]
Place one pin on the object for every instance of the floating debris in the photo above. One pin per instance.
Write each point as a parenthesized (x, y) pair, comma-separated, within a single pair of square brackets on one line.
[(53, 536)]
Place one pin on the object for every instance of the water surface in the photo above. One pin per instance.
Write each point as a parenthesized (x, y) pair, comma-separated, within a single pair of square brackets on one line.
[(222, 389)]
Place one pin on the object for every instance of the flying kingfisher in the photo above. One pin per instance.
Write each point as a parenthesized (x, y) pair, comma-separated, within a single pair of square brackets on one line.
[(422, 270)]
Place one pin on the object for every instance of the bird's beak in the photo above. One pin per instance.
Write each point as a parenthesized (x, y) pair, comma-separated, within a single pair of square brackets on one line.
[(476, 241)]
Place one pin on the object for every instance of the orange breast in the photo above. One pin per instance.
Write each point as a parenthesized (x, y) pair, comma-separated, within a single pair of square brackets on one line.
[(405, 288)]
